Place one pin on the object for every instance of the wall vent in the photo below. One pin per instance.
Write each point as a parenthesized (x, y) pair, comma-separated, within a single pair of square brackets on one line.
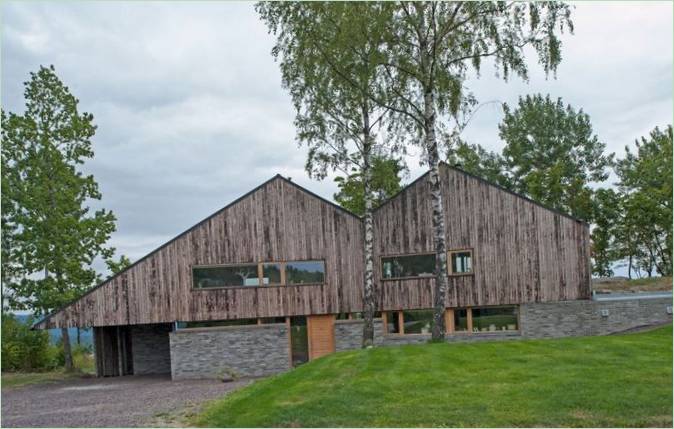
[(604, 312)]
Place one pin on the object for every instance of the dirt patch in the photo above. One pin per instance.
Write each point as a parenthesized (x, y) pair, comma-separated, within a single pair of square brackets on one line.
[(132, 401)]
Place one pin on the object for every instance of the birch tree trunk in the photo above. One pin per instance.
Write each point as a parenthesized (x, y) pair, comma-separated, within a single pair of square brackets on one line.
[(439, 233), (368, 291)]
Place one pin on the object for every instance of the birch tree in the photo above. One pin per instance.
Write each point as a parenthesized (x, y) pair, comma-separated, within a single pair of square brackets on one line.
[(431, 49), (55, 237), (329, 56)]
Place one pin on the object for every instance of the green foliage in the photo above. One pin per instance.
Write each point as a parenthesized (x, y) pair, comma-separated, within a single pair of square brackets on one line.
[(54, 236), (552, 155), (607, 217), (119, 265), (610, 381), (24, 349), (329, 57), (386, 177), (433, 46), (474, 159), (645, 184)]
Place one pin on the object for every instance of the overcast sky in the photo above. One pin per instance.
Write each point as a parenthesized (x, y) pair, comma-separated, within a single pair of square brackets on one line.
[(191, 113)]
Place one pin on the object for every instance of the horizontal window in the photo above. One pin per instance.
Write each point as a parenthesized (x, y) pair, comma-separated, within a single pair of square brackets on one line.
[(259, 274), (222, 276), (422, 265), (458, 320), (305, 272), (408, 322), (417, 321), (494, 319)]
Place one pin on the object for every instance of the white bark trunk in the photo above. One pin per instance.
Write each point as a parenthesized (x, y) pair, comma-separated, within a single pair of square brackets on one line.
[(368, 292), (439, 233)]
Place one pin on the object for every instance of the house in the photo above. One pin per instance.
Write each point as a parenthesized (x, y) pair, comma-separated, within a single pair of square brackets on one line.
[(275, 279)]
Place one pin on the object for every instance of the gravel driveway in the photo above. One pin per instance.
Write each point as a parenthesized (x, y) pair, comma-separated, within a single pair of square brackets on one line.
[(108, 402)]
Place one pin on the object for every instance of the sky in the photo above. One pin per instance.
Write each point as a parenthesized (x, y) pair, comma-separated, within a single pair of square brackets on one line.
[(191, 113)]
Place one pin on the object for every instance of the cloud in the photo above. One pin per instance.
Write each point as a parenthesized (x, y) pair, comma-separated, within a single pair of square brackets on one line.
[(191, 113)]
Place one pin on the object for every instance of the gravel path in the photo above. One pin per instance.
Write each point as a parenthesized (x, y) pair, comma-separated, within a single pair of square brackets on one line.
[(130, 401)]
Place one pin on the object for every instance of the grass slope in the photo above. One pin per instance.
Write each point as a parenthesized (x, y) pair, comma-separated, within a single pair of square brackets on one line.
[(19, 379), (621, 380), (618, 285)]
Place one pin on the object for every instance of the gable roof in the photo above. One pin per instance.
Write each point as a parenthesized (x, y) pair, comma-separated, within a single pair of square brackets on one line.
[(303, 189), (485, 181), (193, 227)]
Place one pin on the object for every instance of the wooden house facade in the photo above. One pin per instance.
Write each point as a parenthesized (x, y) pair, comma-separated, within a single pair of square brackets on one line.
[(282, 261)]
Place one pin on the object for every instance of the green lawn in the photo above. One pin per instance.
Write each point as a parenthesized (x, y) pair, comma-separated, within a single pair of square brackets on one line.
[(84, 367), (621, 380)]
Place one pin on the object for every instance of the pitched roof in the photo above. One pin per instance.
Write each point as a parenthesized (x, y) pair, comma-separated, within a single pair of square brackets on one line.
[(305, 190), (188, 230)]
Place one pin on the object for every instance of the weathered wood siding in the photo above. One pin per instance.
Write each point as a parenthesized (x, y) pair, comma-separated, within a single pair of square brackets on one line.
[(277, 222), (522, 252)]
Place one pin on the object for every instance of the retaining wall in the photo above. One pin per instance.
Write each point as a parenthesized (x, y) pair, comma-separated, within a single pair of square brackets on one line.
[(573, 318), (247, 351)]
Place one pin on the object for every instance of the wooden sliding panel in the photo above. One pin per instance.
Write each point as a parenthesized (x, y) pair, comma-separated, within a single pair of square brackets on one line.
[(449, 320), (321, 332)]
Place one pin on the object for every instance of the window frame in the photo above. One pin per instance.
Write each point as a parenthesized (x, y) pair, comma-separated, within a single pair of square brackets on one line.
[(260, 271), (449, 321), (381, 267), (237, 264), (450, 265)]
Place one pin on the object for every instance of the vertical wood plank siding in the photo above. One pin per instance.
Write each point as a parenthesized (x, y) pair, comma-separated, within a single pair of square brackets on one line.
[(522, 252), (277, 222)]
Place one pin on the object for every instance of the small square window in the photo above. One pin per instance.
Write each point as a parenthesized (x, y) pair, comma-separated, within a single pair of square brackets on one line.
[(460, 262)]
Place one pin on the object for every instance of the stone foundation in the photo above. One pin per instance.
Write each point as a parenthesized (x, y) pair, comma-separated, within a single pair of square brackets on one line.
[(349, 334), (246, 351), (260, 350), (574, 318)]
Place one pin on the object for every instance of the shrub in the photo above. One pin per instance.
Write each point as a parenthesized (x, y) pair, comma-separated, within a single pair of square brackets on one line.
[(24, 349)]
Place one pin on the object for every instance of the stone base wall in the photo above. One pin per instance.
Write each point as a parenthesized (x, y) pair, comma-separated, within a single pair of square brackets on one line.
[(247, 351), (349, 334), (574, 318), (150, 349)]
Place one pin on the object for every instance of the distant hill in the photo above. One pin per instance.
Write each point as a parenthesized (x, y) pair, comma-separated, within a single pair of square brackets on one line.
[(86, 335)]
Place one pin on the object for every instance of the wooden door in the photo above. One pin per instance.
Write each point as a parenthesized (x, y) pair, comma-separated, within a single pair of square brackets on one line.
[(321, 330)]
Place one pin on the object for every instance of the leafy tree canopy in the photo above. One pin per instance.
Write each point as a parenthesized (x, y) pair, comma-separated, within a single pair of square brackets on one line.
[(55, 236), (386, 177), (552, 155)]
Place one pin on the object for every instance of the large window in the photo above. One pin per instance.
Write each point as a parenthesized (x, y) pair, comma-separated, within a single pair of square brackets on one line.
[(222, 276), (422, 265), (260, 274), (408, 322), (457, 320), (305, 272), (494, 319), (417, 321), (271, 273), (460, 262)]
